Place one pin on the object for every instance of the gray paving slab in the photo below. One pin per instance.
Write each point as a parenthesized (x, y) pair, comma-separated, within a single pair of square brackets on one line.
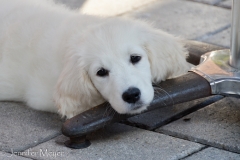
[(217, 125), (221, 38), (226, 4), (11, 156), (122, 142), (21, 127), (159, 117), (187, 19), (73, 4), (213, 154), (211, 2), (104, 7)]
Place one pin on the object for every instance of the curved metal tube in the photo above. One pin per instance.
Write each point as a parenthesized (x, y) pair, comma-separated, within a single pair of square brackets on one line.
[(215, 68)]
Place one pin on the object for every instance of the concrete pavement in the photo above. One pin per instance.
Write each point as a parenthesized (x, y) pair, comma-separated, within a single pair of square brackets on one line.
[(205, 129)]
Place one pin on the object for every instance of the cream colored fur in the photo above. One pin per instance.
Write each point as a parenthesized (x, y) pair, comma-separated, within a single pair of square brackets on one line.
[(49, 57)]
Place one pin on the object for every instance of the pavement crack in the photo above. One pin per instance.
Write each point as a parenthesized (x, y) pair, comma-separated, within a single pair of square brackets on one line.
[(201, 149), (212, 33), (216, 3)]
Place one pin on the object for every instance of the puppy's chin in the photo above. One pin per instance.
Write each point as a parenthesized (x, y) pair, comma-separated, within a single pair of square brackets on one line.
[(132, 109), (137, 109)]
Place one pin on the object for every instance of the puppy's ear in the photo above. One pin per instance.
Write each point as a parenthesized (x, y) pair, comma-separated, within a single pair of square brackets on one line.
[(166, 55), (74, 91)]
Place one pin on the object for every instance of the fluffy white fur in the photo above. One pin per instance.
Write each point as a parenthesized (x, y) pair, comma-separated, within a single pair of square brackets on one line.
[(49, 57)]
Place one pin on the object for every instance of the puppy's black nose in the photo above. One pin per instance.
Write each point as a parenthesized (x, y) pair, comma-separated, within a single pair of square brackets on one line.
[(131, 95)]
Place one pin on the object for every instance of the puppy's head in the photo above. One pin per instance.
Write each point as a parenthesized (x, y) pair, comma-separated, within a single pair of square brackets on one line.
[(122, 58), (119, 67)]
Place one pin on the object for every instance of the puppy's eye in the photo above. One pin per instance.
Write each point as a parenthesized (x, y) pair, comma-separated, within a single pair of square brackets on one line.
[(102, 72), (135, 59)]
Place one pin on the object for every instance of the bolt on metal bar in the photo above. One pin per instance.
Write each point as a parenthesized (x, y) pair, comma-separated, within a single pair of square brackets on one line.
[(235, 35)]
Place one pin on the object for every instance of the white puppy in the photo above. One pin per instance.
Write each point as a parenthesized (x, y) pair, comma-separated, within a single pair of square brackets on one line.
[(55, 59)]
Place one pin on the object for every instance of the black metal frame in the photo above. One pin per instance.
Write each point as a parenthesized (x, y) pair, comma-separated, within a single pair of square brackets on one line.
[(181, 89)]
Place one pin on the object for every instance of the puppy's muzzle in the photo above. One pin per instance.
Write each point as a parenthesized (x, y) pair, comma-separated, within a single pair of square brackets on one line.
[(131, 95)]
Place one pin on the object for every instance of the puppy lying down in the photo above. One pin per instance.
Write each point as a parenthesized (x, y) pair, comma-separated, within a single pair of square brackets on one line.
[(58, 60)]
